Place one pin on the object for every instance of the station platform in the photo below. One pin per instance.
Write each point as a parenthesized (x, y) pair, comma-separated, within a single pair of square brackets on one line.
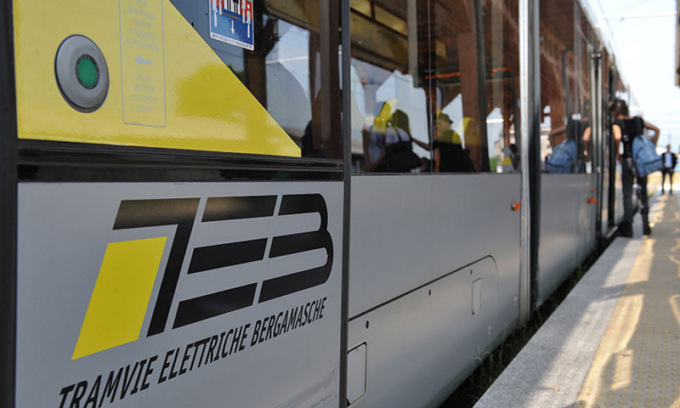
[(615, 339)]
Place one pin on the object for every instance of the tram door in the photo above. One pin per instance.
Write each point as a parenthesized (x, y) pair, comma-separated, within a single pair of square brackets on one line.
[(178, 178), (569, 147)]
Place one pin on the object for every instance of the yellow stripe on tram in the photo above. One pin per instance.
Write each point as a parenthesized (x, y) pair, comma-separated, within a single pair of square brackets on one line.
[(121, 295)]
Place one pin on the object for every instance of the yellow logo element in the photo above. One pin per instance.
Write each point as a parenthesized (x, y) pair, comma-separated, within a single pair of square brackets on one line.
[(121, 295)]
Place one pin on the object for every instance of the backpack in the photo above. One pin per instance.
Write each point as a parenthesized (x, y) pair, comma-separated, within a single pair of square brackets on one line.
[(563, 158), (645, 158)]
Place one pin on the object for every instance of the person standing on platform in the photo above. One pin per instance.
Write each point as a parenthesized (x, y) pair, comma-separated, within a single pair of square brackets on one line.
[(625, 129), (669, 161)]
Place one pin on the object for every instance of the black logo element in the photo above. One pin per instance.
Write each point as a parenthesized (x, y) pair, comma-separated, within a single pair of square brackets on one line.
[(182, 213)]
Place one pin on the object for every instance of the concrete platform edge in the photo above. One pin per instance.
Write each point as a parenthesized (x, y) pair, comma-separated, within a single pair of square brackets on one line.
[(551, 368)]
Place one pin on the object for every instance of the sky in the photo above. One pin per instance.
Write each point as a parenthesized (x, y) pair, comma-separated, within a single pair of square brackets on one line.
[(643, 34)]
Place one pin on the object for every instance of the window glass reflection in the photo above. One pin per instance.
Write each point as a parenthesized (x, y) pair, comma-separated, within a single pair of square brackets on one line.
[(288, 81), (390, 112), (450, 69), (567, 46), (460, 136), (452, 76), (501, 59), (285, 72)]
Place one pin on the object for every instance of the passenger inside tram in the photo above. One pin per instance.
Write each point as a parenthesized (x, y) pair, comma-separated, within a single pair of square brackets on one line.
[(388, 142), (563, 158), (586, 132), (399, 144), (449, 155), (567, 142), (373, 140), (433, 56)]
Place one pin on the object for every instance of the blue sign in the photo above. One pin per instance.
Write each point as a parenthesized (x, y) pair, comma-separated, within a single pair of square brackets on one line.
[(231, 21)]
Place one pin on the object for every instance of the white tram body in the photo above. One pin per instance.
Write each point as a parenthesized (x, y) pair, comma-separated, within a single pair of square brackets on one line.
[(205, 202)]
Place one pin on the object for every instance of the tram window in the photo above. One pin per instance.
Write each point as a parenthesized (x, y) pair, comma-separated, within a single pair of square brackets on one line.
[(460, 133), (389, 89), (453, 76), (567, 41), (285, 72), (501, 60)]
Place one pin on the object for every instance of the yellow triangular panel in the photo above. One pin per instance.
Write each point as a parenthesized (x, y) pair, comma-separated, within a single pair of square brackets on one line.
[(154, 57)]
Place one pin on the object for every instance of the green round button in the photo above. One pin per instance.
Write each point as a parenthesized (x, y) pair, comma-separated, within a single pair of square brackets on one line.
[(87, 72)]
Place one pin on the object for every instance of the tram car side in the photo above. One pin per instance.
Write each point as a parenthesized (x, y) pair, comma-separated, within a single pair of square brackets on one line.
[(436, 258), (430, 293), (204, 203)]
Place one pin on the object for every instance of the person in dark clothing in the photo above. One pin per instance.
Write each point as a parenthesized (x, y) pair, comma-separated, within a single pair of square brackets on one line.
[(625, 129), (669, 161), (449, 155)]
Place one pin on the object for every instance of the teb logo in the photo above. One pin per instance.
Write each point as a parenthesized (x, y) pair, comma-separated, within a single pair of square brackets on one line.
[(129, 270)]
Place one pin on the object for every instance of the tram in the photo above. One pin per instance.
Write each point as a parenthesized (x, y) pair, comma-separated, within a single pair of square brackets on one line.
[(201, 203)]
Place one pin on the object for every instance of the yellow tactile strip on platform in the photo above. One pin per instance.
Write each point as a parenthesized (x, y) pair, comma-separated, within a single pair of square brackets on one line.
[(638, 361)]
